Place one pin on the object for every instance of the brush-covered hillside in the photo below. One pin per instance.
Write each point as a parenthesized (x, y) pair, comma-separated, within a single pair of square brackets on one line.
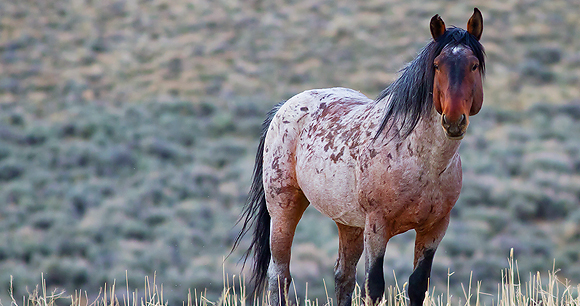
[(128, 130)]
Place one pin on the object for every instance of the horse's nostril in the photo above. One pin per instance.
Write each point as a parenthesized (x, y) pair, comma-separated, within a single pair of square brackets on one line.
[(444, 120), (463, 120)]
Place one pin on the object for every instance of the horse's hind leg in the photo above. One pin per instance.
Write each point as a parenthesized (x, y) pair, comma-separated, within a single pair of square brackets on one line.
[(350, 248), (426, 244), (285, 209)]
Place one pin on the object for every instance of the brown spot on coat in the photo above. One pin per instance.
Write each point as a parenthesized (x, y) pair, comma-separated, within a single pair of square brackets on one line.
[(336, 157), (276, 164), (285, 189)]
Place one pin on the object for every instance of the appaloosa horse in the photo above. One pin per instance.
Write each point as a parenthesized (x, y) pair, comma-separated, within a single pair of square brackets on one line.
[(377, 168)]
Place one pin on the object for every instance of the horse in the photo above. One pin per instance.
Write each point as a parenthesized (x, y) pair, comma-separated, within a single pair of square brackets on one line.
[(377, 168)]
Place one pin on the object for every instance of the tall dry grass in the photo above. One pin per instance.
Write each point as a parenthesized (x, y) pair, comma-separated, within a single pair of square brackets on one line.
[(511, 291)]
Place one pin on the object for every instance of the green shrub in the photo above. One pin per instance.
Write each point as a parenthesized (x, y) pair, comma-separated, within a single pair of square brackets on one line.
[(223, 153), (494, 217), (11, 170), (462, 239), (116, 161), (36, 136), (220, 124), (475, 191), (536, 72), (545, 55), (66, 272)]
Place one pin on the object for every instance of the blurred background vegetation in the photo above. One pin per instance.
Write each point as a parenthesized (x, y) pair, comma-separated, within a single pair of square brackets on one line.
[(128, 130)]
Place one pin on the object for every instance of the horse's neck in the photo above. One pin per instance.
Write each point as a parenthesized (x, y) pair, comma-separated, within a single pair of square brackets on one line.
[(429, 139)]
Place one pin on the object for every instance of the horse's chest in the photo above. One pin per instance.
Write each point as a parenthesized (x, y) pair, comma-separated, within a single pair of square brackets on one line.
[(409, 194)]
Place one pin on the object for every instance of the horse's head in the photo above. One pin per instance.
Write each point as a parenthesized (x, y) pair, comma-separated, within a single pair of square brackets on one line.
[(458, 73)]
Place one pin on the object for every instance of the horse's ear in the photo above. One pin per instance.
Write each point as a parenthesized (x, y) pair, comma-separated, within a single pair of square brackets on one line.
[(475, 24), (437, 27)]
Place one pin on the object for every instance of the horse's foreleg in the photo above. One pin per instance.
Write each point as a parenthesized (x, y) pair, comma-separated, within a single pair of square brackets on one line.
[(375, 243), (350, 248), (285, 214), (426, 244)]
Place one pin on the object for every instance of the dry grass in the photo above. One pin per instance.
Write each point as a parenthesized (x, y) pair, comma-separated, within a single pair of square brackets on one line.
[(152, 295), (512, 291)]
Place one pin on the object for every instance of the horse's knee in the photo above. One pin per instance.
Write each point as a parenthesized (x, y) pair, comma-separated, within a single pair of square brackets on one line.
[(338, 270), (344, 274)]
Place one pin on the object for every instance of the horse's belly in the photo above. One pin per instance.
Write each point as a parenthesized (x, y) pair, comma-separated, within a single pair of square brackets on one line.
[(346, 213), (332, 191)]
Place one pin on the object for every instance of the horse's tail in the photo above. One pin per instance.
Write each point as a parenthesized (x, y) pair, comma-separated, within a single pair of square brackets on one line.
[(256, 214)]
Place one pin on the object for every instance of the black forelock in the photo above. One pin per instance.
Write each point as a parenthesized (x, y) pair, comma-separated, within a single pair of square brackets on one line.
[(411, 94)]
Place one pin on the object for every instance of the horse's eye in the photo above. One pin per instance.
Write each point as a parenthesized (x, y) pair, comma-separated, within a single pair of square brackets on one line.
[(475, 66), (436, 66)]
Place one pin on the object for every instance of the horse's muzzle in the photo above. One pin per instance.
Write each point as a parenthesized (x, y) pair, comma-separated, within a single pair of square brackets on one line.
[(454, 129)]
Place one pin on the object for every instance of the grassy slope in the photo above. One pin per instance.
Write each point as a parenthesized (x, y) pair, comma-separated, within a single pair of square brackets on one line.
[(121, 51), (128, 130)]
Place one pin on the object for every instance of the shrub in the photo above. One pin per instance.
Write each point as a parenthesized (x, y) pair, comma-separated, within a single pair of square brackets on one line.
[(536, 72), (220, 124), (197, 214), (11, 170), (223, 153), (35, 136), (85, 195), (135, 229), (162, 149), (476, 191), (4, 152), (495, 217), (488, 267), (67, 272), (116, 161), (545, 55), (547, 161), (76, 154), (462, 239)]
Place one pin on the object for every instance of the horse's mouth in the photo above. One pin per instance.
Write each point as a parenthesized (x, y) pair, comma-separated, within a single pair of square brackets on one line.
[(454, 137), (458, 135)]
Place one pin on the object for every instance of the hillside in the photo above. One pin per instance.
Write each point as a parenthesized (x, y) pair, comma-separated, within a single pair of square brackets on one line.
[(122, 51), (128, 129)]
